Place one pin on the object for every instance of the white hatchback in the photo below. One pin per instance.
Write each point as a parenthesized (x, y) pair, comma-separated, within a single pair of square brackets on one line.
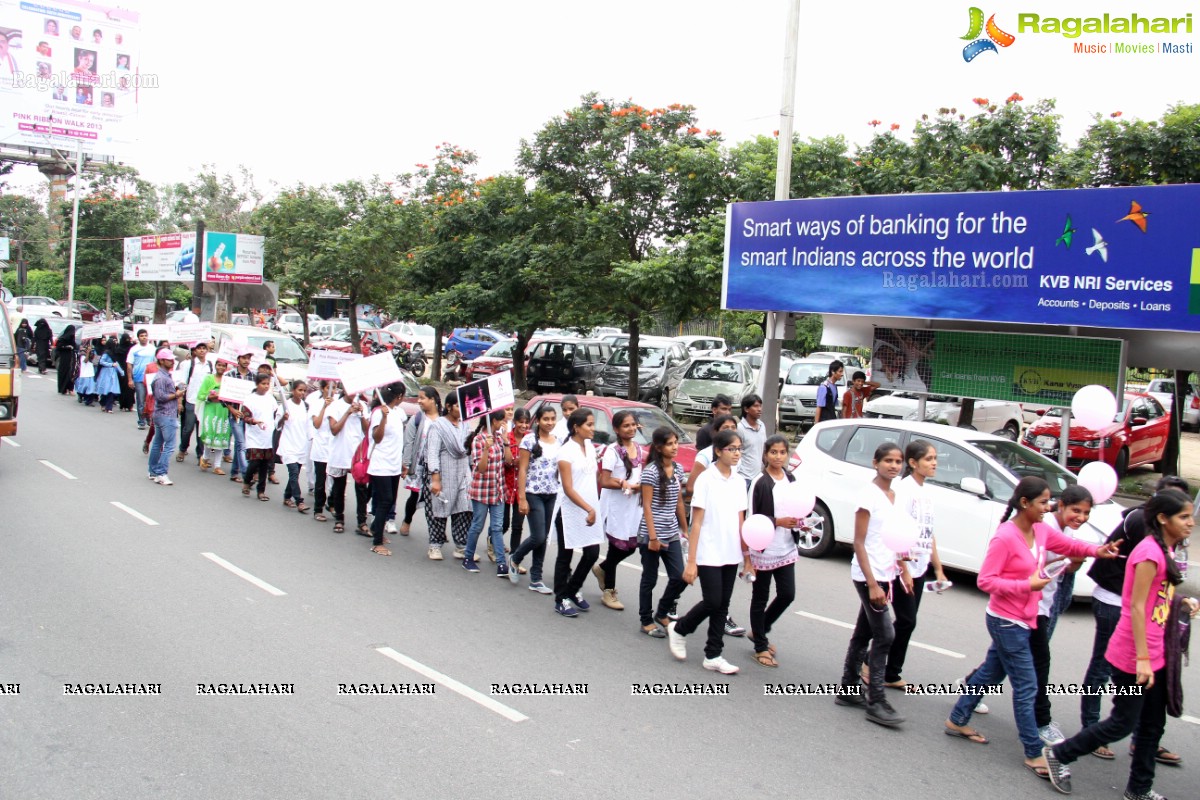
[(975, 478)]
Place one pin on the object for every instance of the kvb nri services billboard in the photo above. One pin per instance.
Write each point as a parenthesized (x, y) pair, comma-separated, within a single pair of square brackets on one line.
[(1114, 258)]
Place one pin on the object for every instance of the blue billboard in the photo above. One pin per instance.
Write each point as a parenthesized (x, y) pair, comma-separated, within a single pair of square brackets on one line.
[(1125, 257)]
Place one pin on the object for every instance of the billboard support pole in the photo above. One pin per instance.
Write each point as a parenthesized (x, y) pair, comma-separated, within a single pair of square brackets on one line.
[(772, 344), (74, 224), (198, 269)]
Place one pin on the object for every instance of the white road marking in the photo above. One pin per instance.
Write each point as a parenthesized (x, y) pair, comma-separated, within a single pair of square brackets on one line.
[(638, 567), (134, 514), (1191, 719), (241, 573), (445, 680), (31, 375), (59, 470), (931, 648), (12, 442)]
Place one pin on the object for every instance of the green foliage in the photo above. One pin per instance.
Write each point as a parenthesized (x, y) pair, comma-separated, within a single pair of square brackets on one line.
[(26, 224), (45, 283), (223, 202), (1119, 152)]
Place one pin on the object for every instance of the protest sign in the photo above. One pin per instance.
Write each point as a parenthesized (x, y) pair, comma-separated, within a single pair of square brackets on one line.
[(322, 364), (235, 390), (486, 394), (365, 374)]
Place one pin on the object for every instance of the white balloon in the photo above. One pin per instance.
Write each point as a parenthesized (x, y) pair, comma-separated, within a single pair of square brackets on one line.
[(1094, 406), (1100, 479)]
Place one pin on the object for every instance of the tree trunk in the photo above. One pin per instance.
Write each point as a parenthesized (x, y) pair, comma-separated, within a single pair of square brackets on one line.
[(520, 380), (353, 298), (304, 301), (436, 369), (160, 303), (1170, 459), (108, 298), (966, 416), (634, 338)]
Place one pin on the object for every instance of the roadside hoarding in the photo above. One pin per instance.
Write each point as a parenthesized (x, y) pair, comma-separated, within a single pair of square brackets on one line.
[(1124, 257), (71, 71), (161, 257), (233, 258), (1017, 368)]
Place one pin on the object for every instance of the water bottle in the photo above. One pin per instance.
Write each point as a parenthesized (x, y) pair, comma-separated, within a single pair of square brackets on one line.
[(1181, 558)]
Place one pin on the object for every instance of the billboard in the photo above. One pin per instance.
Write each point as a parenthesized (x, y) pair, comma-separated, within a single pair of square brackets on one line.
[(161, 257), (69, 70), (233, 258), (1125, 257), (1017, 368)]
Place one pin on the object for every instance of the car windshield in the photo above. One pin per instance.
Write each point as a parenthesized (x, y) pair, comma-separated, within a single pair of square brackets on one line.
[(1120, 417), (807, 374), (723, 371), (287, 350), (1023, 462), (648, 419), (500, 350), (652, 357), (554, 351)]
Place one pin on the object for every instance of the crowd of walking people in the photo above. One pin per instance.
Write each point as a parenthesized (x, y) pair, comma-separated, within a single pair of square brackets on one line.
[(528, 472)]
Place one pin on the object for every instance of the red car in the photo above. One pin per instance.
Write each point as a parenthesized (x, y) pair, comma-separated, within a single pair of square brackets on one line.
[(649, 417), (87, 311), (498, 358), (340, 341), (1136, 436)]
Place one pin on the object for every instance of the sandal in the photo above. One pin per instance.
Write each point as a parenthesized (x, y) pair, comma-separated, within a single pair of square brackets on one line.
[(339, 527), (380, 550), (654, 632), (1164, 756), (273, 479), (289, 503), (236, 479), (179, 457), (246, 490), (1104, 753), (204, 465), (319, 517), (766, 659), (1039, 770), (971, 735), (218, 471), (770, 647), (364, 530), (301, 507), (263, 497)]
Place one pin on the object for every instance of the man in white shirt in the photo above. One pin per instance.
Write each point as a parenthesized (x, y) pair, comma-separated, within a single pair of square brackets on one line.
[(141, 355), (192, 372)]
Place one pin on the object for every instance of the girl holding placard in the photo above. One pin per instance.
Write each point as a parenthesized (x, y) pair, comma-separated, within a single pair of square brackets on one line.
[(873, 570), (620, 503), (260, 414), (294, 442), (1014, 572), (776, 562), (449, 467), (213, 418)]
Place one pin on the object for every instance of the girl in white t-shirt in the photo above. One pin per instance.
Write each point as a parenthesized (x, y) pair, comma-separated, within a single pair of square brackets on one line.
[(295, 439), (716, 551), (386, 454), (778, 560), (620, 503), (322, 444), (261, 413), (578, 507), (705, 456), (912, 498), (872, 570)]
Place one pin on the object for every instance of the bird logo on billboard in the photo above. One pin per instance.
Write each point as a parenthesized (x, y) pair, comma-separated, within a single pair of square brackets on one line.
[(1136, 215), (1068, 234), (1100, 246)]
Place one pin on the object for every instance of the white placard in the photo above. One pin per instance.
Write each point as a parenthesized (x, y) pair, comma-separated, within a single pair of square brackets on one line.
[(365, 374), (322, 364), (157, 333), (486, 394), (90, 330), (187, 332), (235, 390), (112, 327), (228, 352), (258, 357)]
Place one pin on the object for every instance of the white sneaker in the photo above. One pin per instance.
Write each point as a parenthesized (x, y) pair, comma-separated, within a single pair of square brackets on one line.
[(163, 480), (435, 554), (152, 476), (1051, 734), (459, 553), (676, 642), (389, 527), (719, 664)]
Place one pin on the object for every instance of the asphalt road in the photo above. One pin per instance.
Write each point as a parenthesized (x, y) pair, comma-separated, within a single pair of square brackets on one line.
[(93, 594)]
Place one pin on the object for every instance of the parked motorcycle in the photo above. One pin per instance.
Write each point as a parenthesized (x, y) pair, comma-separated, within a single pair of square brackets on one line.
[(454, 367), (410, 358)]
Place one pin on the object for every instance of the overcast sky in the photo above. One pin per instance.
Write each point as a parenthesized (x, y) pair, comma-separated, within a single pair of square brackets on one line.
[(325, 92)]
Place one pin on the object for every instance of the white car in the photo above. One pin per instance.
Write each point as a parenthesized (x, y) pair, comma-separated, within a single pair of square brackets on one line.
[(704, 345), (798, 397), (293, 324), (975, 478), (35, 306), (755, 358), (414, 334), (851, 361), (992, 416), (1163, 390)]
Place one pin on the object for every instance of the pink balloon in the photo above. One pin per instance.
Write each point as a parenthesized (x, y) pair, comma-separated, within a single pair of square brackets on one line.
[(900, 533), (1100, 479), (758, 530), (794, 500)]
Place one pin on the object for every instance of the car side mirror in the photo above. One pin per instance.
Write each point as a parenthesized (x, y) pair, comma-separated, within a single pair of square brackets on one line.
[(1137, 422), (973, 486), (1040, 412)]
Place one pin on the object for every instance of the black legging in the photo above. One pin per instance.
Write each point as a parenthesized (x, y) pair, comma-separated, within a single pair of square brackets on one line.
[(383, 500), (716, 589), (410, 506), (567, 583), (337, 498), (258, 468), (614, 557), (319, 496), (762, 616), (514, 517)]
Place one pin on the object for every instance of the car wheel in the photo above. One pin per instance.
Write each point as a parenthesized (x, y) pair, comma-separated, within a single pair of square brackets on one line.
[(1011, 431), (818, 541), (1122, 464), (418, 367), (664, 401)]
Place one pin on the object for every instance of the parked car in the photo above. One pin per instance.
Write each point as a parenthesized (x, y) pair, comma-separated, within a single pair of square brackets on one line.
[(415, 334), (798, 397), (705, 379), (566, 365), (649, 417), (601, 331), (497, 358), (87, 312), (142, 312), (471, 342), (975, 478), (755, 358), (851, 361), (704, 345), (340, 341), (1163, 390), (290, 358), (661, 365), (33, 307), (293, 324), (993, 416), (1136, 436)]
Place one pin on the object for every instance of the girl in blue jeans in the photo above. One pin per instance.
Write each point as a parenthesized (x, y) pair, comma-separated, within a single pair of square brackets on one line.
[(663, 519), (537, 486)]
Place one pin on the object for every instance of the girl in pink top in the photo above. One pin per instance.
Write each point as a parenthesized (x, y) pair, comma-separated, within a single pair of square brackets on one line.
[(1013, 573), (1137, 652)]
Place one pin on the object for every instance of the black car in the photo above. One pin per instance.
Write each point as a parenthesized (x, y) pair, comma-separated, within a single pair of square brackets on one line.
[(566, 365)]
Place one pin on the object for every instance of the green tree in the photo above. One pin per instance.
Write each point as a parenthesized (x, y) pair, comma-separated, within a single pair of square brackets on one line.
[(1121, 152), (223, 202), (24, 222)]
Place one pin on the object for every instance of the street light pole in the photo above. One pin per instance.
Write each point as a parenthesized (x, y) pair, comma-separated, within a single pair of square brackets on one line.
[(74, 226)]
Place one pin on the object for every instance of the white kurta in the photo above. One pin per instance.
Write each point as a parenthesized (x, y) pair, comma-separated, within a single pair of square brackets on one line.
[(576, 531)]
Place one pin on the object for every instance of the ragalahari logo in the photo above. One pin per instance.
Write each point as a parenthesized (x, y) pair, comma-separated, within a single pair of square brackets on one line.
[(994, 37)]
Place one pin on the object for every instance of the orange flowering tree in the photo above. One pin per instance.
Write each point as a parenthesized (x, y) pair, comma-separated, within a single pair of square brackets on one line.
[(632, 180)]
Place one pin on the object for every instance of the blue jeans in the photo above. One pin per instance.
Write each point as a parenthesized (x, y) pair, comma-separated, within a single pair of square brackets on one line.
[(292, 490), (166, 430), (23, 354), (139, 391), (238, 429), (1010, 656), (541, 509), (671, 555), (496, 531), (1099, 670)]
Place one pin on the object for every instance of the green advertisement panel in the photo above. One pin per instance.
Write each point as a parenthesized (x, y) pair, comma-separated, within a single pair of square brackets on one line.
[(993, 366)]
